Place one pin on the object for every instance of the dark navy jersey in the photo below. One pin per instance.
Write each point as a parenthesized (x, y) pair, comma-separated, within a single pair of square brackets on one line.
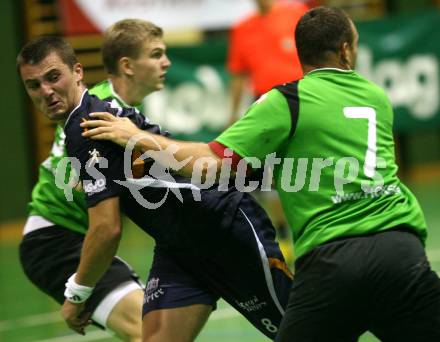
[(167, 206)]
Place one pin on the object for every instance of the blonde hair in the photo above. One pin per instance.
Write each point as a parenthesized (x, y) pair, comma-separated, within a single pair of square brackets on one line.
[(125, 38)]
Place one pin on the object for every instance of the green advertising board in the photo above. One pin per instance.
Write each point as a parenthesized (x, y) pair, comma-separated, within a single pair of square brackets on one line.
[(401, 54)]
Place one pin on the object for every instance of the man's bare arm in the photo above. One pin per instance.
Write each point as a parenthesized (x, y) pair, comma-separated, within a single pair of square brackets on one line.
[(101, 242), (121, 130), (99, 248), (236, 89)]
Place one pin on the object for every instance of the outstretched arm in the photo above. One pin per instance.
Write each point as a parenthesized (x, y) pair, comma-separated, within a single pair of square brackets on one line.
[(122, 132)]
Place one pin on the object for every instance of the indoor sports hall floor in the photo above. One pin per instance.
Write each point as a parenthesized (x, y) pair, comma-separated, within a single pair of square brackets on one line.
[(26, 314)]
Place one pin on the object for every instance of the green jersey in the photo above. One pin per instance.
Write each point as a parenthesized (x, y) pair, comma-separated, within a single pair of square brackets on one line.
[(336, 175), (104, 91), (48, 199)]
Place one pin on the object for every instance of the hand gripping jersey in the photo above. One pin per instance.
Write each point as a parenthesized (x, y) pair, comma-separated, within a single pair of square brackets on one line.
[(165, 205), (209, 243), (337, 172)]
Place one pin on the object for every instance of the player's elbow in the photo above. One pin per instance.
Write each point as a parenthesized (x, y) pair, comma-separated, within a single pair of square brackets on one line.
[(115, 233), (108, 231)]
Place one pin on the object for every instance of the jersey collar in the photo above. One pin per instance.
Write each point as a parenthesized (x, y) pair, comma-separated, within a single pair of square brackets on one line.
[(329, 69), (82, 102), (115, 95)]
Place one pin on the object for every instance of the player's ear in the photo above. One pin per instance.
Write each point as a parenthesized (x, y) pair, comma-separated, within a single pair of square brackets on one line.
[(78, 71), (345, 54), (126, 66)]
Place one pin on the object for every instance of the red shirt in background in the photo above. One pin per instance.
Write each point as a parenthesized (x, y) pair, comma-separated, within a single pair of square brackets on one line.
[(263, 46)]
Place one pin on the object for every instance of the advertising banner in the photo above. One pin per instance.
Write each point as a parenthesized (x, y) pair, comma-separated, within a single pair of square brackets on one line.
[(171, 15), (400, 54)]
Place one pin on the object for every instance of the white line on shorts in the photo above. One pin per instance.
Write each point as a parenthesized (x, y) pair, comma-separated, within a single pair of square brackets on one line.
[(266, 268)]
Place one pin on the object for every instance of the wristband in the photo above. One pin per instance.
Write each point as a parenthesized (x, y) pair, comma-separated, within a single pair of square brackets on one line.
[(76, 293)]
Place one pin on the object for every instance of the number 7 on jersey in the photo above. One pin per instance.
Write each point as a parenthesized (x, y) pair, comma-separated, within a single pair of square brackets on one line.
[(369, 114)]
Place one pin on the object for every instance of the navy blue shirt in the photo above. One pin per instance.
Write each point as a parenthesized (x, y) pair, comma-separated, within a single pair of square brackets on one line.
[(176, 213)]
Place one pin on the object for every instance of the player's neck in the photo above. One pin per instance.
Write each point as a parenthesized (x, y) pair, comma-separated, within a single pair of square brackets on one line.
[(75, 103), (329, 64), (126, 91)]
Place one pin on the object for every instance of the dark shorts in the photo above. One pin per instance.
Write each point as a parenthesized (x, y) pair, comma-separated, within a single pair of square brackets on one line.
[(49, 256), (170, 286), (382, 283), (244, 266)]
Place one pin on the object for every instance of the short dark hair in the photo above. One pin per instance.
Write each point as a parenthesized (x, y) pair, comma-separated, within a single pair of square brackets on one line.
[(125, 38), (322, 30), (39, 48)]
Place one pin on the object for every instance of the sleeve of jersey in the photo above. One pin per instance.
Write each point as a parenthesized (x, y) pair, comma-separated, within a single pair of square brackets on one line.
[(102, 167), (264, 128)]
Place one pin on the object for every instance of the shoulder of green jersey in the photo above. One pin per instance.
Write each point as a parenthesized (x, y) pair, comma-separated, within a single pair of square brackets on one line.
[(261, 98)]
